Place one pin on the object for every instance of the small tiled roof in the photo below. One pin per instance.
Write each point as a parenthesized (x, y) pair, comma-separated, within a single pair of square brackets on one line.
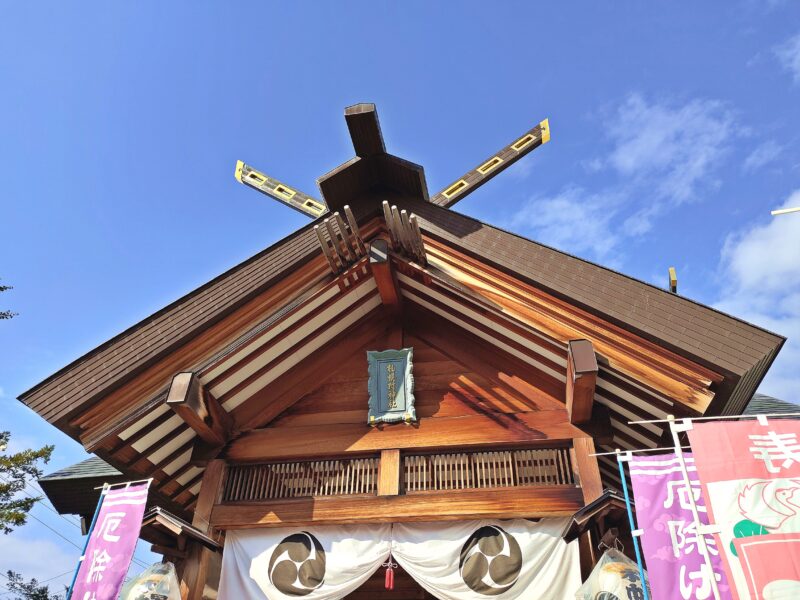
[(761, 404), (75, 490), (93, 467)]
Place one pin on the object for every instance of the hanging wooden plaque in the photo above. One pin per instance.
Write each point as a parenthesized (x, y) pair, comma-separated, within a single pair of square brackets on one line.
[(391, 386)]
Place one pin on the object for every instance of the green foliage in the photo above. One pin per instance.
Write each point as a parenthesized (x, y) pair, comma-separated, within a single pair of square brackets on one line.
[(31, 590), (746, 528), (6, 314), (15, 469)]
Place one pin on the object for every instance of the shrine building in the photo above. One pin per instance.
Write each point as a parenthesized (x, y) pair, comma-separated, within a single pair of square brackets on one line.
[(394, 383)]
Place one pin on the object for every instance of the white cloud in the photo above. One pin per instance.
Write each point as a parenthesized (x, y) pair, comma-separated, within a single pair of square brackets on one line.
[(2, 393), (762, 155), (762, 272), (38, 558), (573, 220), (668, 150), (788, 55), (663, 154)]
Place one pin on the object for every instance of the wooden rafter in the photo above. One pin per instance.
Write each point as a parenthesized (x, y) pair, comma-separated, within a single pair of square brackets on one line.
[(304, 377), (101, 421), (667, 373)]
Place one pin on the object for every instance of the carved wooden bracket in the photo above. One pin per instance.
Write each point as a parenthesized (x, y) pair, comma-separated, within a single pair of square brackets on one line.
[(385, 276), (199, 409), (581, 380)]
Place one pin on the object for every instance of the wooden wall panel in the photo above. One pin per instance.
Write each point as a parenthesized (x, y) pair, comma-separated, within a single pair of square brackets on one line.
[(507, 503), (496, 429), (442, 388)]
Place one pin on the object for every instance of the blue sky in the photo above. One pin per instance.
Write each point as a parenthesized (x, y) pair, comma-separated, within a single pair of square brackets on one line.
[(675, 130)]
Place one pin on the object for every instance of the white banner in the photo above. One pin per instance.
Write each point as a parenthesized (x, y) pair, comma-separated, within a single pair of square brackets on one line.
[(460, 560), (316, 563), (505, 560)]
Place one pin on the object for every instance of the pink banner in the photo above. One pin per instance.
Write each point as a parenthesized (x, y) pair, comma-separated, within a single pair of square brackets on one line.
[(675, 567), (111, 544), (750, 474)]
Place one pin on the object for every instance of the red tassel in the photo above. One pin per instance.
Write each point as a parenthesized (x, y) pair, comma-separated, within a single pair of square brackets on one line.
[(389, 584)]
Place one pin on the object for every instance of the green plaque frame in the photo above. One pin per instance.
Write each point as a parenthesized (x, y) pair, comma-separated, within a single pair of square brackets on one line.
[(391, 386)]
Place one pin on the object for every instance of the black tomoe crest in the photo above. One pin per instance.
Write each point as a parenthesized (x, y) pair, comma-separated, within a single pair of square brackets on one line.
[(297, 565), (491, 561)]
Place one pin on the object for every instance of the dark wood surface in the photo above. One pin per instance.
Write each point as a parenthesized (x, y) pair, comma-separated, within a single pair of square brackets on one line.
[(490, 167)]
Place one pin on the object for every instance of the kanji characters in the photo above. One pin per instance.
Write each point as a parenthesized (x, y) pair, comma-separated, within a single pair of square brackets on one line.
[(777, 450), (698, 584), (678, 488), (110, 523), (100, 560), (685, 539)]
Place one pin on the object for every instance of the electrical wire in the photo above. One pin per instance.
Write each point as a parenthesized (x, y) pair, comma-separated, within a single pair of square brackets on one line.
[(134, 559)]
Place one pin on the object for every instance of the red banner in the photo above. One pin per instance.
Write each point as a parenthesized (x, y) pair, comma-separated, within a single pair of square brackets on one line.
[(750, 474)]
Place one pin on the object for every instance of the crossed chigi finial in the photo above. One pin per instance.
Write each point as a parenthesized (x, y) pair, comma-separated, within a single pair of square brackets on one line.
[(373, 174)]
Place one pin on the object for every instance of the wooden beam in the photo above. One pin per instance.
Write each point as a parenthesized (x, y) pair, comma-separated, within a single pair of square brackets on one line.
[(581, 380), (199, 409), (203, 452), (587, 469), (384, 275), (365, 129), (506, 503), (673, 280), (494, 165), (476, 431), (210, 494), (389, 473), (291, 197)]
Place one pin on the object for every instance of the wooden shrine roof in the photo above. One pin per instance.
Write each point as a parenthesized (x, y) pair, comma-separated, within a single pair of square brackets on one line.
[(691, 329), (282, 309)]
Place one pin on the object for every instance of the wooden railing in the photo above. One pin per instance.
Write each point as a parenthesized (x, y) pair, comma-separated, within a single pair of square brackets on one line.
[(301, 479), (478, 470), (417, 473)]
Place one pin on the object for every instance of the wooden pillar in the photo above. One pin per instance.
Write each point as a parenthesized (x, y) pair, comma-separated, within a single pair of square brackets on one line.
[(586, 552), (586, 469), (389, 473), (581, 380), (199, 559)]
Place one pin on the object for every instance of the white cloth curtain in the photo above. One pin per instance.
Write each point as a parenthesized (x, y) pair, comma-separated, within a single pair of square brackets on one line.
[(505, 560), (459, 560), (315, 563)]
